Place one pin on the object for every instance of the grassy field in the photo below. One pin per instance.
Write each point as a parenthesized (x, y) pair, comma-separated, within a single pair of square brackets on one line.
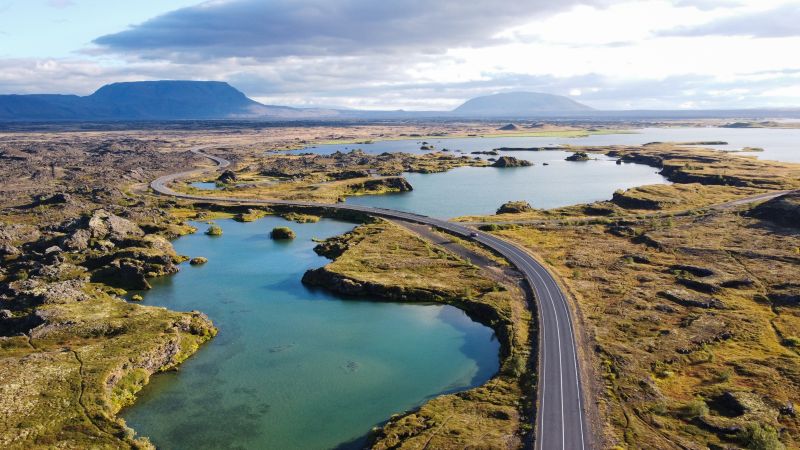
[(386, 260), (694, 329)]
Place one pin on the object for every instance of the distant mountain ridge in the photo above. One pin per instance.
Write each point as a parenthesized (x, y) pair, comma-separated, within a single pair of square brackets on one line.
[(519, 104), (149, 100), (213, 100)]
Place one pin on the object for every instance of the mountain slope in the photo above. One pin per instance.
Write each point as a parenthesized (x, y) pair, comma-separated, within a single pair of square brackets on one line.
[(148, 100), (519, 104)]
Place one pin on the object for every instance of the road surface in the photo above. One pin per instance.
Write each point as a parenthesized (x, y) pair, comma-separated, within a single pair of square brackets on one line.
[(561, 420)]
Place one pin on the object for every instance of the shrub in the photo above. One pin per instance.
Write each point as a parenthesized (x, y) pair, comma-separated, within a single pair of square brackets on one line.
[(214, 230), (693, 409), (756, 437)]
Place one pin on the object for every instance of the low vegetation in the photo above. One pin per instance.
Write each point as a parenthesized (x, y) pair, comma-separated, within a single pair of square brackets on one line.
[(330, 178), (690, 301)]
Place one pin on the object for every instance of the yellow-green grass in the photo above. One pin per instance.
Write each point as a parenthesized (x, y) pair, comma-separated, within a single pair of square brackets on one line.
[(63, 386), (657, 357)]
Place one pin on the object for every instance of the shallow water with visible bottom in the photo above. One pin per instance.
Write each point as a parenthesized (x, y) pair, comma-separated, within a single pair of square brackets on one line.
[(293, 367)]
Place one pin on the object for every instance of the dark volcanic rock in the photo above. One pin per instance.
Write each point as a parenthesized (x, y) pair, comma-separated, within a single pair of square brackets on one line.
[(700, 286), (684, 298), (55, 199), (578, 156), (783, 210), (694, 270), (510, 161), (228, 177), (348, 174)]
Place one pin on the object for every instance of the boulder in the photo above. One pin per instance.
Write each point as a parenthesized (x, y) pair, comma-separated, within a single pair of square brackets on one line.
[(77, 241), (282, 233), (124, 273), (198, 260), (228, 177), (104, 225), (55, 199), (515, 207)]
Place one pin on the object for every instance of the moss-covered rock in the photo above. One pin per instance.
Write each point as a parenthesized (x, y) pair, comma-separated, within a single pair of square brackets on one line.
[(515, 207), (282, 233)]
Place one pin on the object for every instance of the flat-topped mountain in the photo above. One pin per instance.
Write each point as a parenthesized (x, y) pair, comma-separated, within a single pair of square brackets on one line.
[(148, 100), (519, 104)]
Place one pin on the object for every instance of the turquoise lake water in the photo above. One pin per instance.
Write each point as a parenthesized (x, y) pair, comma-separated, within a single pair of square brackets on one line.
[(292, 367), (471, 191), (204, 185), (481, 190)]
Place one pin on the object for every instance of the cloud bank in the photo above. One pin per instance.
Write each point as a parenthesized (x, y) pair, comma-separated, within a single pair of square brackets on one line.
[(267, 29)]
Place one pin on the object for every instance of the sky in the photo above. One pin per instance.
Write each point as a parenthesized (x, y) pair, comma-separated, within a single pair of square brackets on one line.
[(415, 54)]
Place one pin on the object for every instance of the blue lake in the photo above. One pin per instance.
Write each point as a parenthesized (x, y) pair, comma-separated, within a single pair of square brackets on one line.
[(292, 367), (470, 191), (205, 185)]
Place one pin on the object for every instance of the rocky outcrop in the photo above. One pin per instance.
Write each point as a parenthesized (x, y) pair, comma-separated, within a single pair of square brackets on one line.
[(228, 177), (392, 184), (348, 174), (515, 207), (509, 127), (627, 199), (59, 198), (510, 161), (699, 285), (684, 298), (282, 233), (578, 156), (35, 292), (100, 226), (783, 210), (694, 270)]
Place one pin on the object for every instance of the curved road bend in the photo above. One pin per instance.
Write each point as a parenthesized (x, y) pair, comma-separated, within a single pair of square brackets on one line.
[(561, 418)]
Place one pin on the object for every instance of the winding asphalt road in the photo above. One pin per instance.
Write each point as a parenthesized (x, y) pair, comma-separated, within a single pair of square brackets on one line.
[(561, 417)]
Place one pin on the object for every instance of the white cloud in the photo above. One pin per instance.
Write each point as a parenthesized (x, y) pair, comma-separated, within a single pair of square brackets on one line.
[(612, 55)]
